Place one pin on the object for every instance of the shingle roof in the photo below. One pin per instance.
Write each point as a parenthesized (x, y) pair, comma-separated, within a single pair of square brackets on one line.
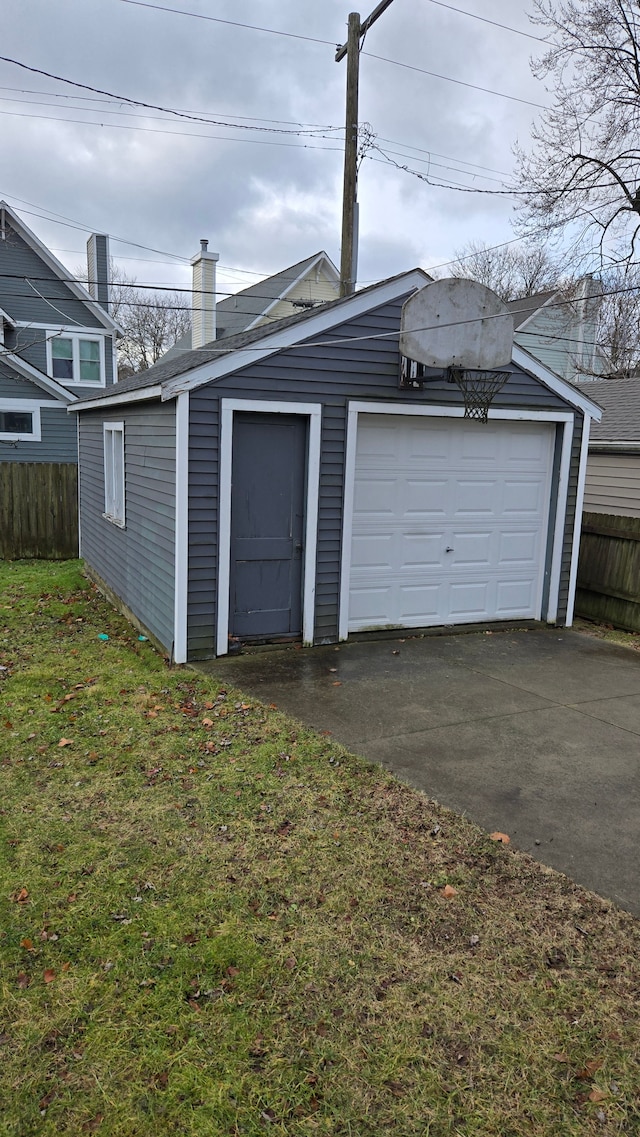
[(522, 309), (235, 313), (169, 368), (620, 400)]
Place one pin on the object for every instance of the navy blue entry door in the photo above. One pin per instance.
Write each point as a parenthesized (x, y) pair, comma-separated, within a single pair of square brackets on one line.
[(267, 525)]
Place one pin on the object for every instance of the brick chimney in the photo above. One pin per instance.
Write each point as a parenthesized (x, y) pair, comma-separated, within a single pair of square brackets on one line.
[(203, 326), (98, 268)]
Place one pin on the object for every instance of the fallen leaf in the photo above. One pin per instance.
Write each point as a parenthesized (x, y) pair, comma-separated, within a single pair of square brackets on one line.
[(336, 683), (95, 1123), (72, 897), (503, 838), (448, 891), (65, 742), (23, 980), (27, 944), (590, 1068), (46, 1100), (233, 971), (190, 938), (597, 1095), (66, 966), (49, 975), (207, 722), (291, 963), (21, 896)]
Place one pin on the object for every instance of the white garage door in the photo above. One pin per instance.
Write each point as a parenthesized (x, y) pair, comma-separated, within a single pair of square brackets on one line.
[(449, 522)]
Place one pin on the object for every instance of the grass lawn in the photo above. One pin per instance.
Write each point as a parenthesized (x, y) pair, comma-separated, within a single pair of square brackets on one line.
[(217, 922)]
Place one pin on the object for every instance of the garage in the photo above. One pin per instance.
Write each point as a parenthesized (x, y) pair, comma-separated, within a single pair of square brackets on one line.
[(450, 520)]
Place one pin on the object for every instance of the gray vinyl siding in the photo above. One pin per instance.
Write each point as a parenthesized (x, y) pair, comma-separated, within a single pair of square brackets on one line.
[(19, 265), (58, 442), (14, 386), (332, 375), (136, 562)]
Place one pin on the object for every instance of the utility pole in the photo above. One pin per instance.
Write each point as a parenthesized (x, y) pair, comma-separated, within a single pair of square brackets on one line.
[(349, 246)]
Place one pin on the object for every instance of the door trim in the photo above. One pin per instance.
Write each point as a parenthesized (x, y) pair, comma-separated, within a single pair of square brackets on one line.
[(564, 418), (313, 411)]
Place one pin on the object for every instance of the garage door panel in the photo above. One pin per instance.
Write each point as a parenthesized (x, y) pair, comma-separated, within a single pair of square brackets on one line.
[(375, 496), (519, 547), (474, 497), (515, 596), (522, 497), (422, 497), (468, 600), (448, 484), (417, 601), (471, 549)]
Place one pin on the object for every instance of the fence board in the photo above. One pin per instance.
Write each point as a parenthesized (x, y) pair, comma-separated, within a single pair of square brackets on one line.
[(609, 570), (38, 510)]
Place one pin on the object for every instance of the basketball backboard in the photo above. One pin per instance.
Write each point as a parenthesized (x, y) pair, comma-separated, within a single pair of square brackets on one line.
[(457, 323)]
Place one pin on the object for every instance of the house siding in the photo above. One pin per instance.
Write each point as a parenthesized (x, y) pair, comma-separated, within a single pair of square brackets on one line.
[(613, 484), (24, 275), (320, 290), (333, 375), (138, 561)]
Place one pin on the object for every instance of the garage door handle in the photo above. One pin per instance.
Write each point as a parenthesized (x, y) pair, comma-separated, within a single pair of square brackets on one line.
[(448, 549)]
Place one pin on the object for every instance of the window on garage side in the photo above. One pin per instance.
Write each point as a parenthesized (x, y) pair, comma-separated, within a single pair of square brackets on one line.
[(114, 482)]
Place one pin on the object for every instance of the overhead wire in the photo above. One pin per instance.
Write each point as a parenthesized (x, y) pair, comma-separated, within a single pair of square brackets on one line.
[(229, 23)]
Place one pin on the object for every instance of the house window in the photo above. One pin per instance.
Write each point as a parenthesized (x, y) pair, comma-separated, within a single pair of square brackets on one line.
[(76, 359), (19, 421), (114, 472)]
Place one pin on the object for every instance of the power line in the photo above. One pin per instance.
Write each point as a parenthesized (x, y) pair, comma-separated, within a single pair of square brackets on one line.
[(486, 20), (458, 82), (108, 102), (171, 133), (229, 23), (148, 106)]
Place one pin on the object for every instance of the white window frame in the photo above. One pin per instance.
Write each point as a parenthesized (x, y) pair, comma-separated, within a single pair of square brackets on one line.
[(111, 473), (21, 405), (75, 336)]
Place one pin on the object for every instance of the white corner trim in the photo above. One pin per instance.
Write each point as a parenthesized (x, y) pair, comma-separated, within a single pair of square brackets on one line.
[(559, 386), (117, 400), (314, 413), (577, 524), (356, 408), (315, 324), (562, 501), (181, 538)]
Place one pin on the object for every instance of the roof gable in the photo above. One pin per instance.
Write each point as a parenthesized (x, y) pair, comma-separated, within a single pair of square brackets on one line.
[(32, 248), (27, 371)]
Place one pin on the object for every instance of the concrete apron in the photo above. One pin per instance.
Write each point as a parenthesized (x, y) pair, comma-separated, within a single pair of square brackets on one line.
[(535, 733)]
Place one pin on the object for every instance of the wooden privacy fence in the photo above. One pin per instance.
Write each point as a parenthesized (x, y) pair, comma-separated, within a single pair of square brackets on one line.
[(38, 510), (609, 570)]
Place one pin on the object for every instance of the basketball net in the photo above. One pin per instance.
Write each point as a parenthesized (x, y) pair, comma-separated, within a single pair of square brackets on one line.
[(479, 389)]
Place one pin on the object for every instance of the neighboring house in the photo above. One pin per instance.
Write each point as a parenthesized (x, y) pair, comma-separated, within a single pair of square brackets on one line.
[(609, 568), (285, 484), (304, 285), (613, 466), (57, 343), (561, 329)]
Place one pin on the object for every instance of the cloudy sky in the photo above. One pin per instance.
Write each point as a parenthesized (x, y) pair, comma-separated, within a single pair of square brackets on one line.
[(266, 190)]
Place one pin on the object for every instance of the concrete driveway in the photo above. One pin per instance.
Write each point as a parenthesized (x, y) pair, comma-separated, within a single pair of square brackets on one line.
[(535, 733)]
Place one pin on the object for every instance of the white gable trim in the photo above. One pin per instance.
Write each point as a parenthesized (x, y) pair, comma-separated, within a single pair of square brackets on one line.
[(535, 312), (316, 262), (314, 325), (134, 396), (60, 271), (44, 381), (559, 386)]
